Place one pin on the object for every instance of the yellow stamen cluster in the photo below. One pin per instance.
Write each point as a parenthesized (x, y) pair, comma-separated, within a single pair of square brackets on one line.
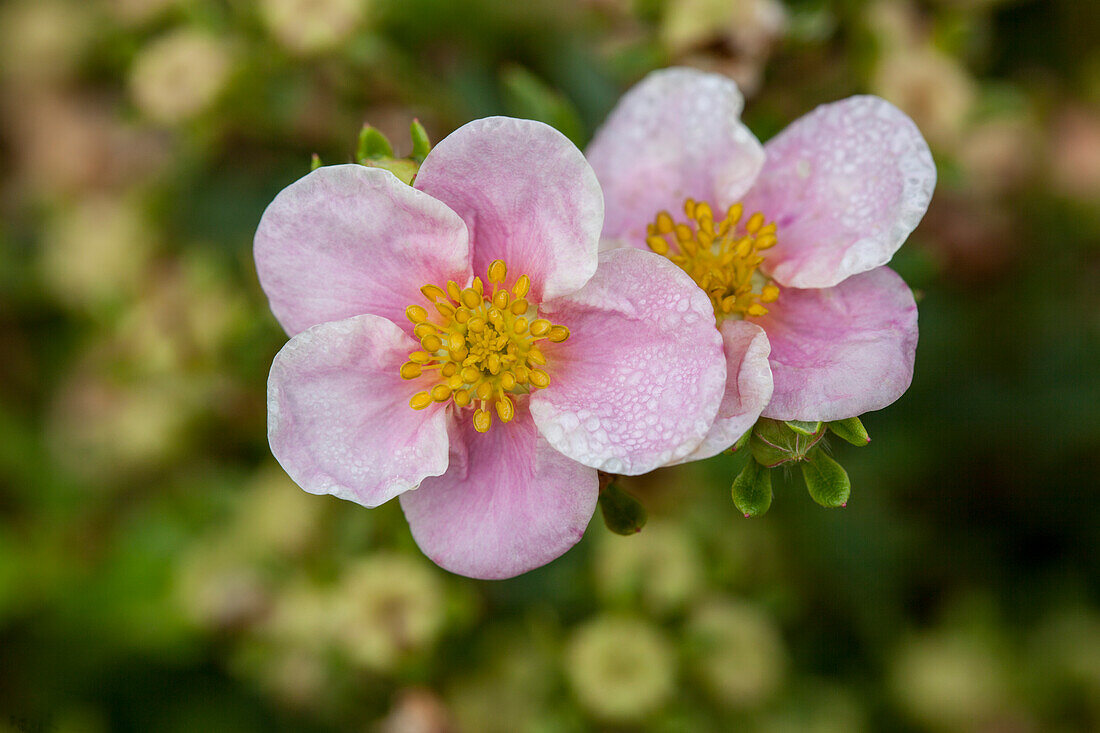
[(483, 350), (723, 257)]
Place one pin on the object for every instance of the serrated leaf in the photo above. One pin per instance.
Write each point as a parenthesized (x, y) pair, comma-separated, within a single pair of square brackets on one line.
[(804, 427), (421, 144), (826, 480), (850, 430), (372, 145), (622, 513), (752, 489)]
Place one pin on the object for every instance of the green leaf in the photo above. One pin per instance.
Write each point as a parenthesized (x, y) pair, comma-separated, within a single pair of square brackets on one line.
[(372, 145), (774, 443), (803, 427), (826, 479), (851, 430), (622, 513), (421, 144), (752, 489), (315, 162)]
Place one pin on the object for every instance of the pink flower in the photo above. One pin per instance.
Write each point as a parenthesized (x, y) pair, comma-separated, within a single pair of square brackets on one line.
[(788, 240), (495, 397)]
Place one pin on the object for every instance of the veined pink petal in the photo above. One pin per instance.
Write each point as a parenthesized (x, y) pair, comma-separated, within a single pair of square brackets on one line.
[(842, 351), (639, 381), (347, 240), (676, 134), (748, 387), (508, 503), (528, 197), (338, 413), (845, 184)]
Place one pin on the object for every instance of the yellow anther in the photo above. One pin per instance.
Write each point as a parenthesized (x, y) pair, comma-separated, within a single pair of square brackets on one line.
[(522, 286), (483, 420), (558, 334), (657, 244), (484, 349), (433, 292), (471, 298), (722, 257), (505, 409)]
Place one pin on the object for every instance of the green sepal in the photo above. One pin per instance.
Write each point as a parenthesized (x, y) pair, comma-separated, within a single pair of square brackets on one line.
[(404, 168), (372, 145), (774, 443), (421, 144), (622, 513), (850, 430), (315, 162), (741, 442), (752, 490), (826, 480), (804, 427)]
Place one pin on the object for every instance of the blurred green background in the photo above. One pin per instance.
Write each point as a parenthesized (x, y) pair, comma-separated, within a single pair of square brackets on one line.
[(159, 572)]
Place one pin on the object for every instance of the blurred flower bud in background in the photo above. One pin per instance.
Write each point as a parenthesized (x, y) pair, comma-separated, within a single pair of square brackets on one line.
[(312, 26), (179, 75), (736, 652)]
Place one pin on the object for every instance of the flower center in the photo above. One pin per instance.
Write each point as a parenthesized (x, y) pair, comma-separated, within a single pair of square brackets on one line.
[(723, 258), (484, 349)]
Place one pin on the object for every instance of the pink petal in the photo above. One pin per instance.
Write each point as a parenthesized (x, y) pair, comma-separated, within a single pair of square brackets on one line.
[(338, 413), (748, 387), (840, 352), (528, 197), (347, 240), (639, 381), (676, 134), (508, 503), (845, 184)]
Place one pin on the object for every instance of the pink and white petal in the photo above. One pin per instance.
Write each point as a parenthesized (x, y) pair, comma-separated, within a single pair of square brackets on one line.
[(845, 184), (509, 502), (639, 381), (676, 134), (842, 351), (748, 387), (338, 415), (346, 240), (528, 197)]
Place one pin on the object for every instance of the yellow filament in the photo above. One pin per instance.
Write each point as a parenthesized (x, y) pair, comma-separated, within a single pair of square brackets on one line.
[(722, 257), (483, 348)]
